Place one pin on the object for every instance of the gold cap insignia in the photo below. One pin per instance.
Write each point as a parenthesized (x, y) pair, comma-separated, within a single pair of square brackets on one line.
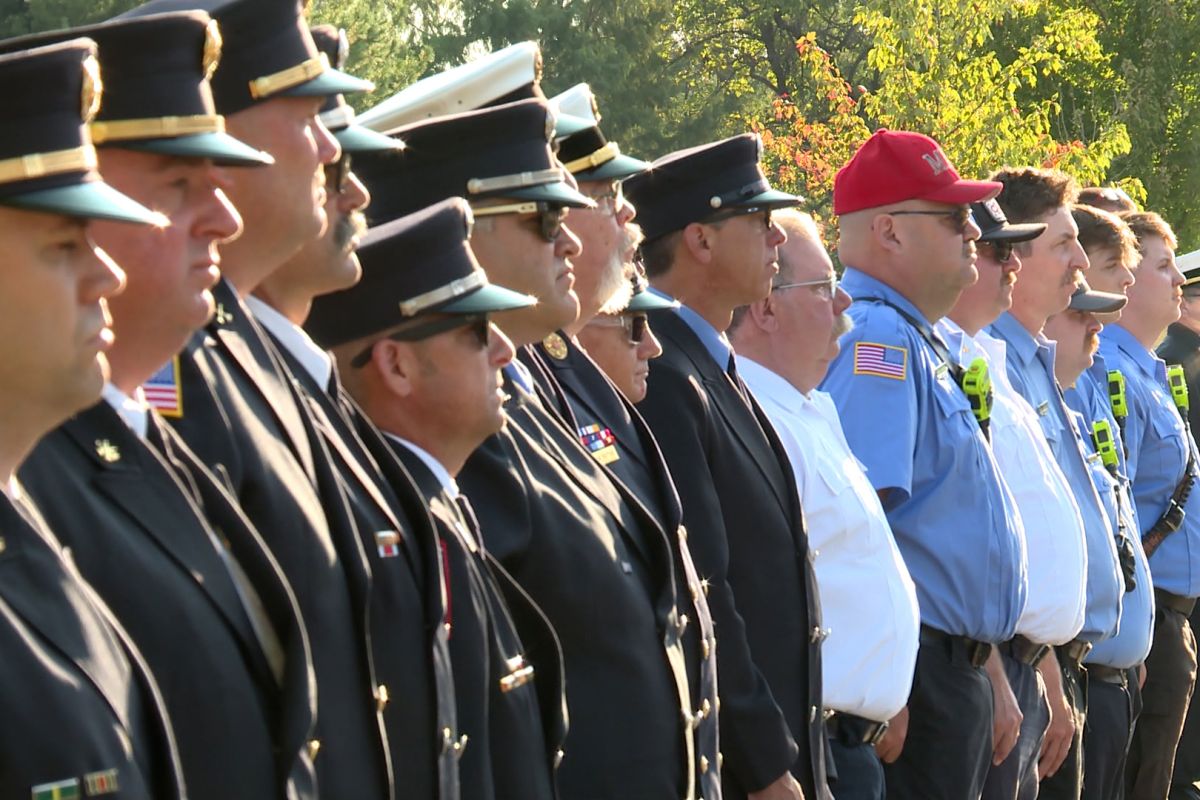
[(555, 346), (212, 49), (93, 89)]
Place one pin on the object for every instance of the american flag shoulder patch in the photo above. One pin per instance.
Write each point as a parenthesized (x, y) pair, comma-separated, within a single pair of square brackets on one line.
[(881, 360), (163, 390)]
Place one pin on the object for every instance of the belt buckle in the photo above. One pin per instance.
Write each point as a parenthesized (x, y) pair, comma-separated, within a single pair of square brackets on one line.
[(978, 652), (872, 737), (1039, 652), (1173, 517)]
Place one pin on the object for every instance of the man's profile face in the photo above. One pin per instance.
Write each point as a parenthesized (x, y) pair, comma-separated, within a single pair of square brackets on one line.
[(283, 204), (52, 307)]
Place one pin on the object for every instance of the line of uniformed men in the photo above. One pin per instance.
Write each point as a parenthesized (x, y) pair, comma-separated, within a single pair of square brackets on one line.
[(297, 509)]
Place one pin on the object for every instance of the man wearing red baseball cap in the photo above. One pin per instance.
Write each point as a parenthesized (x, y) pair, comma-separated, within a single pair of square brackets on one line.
[(907, 240)]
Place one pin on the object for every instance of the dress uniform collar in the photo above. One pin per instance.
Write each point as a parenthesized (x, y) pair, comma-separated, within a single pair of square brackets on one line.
[(448, 484), (133, 410), (316, 362), (713, 340)]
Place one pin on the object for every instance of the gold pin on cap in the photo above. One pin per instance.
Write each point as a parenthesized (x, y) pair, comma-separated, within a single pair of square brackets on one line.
[(212, 49), (93, 90)]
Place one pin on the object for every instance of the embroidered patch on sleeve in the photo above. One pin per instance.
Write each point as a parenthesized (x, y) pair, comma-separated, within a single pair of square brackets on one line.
[(162, 390), (880, 360)]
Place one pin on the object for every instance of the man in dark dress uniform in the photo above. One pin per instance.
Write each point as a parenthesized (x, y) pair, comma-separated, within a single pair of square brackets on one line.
[(223, 634), (1182, 346), (576, 540), (429, 379), (242, 412), (739, 497), (81, 712)]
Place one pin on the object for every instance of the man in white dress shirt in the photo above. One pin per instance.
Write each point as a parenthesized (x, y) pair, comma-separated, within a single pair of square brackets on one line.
[(785, 343), (1054, 609)]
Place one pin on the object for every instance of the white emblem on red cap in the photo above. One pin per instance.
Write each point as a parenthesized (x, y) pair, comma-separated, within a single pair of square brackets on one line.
[(936, 161)]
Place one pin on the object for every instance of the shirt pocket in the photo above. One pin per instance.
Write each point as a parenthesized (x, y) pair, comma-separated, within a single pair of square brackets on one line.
[(1168, 439)]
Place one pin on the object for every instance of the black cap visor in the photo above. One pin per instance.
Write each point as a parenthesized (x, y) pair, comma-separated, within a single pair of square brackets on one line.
[(88, 200), (223, 149), (487, 299)]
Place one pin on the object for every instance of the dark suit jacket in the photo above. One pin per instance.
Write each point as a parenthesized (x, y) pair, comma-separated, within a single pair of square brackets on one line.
[(77, 701), (747, 534), (405, 595), (599, 569), (498, 705), (1182, 346), (242, 416), (135, 521), (591, 399)]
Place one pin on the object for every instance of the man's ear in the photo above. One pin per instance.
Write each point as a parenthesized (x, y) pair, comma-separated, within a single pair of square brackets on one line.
[(762, 314), (697, 241), (886, 234), (397, 366)]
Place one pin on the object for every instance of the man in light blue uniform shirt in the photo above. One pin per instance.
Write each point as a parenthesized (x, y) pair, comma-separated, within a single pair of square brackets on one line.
[(1114, 666), (1051, 522), (1158, 458), (1052, 268), (907, 236)]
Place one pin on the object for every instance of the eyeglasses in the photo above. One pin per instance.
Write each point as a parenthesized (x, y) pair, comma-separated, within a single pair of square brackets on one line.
[(960, 217), (478, 323), (742, 212), (826, 287), (1002, 251), (635, 325), (337, 174), (608, 203), (550, 218)]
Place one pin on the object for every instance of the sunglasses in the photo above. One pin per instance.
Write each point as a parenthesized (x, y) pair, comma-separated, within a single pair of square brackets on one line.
[(337, 174), (635, 325), (1002, 251), (743, 212), (960, 217), (550, 218), (477, 323)]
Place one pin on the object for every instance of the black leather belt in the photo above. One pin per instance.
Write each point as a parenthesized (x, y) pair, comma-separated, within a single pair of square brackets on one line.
[(851, 730), (1175, 602), (1026, 651), (1099, 672), (976, 652), (1073, 652)]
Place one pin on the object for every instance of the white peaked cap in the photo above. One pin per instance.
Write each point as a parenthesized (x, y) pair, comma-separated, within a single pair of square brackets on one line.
[(458, 89), (578, 101)]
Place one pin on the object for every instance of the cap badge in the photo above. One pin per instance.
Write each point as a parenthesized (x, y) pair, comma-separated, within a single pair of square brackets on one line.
[(993, 209), (93, 89), (555, 346), (212, 49), (937, 161)]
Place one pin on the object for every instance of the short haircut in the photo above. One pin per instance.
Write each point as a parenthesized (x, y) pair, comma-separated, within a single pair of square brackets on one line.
[(1030, 193), (1148, 223), (1102, 230), (1107, 198), (658, 254), (794, 223)]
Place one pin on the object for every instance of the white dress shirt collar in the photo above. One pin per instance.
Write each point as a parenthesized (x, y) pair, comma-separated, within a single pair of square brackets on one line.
[(316, 362), (133, 410)]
